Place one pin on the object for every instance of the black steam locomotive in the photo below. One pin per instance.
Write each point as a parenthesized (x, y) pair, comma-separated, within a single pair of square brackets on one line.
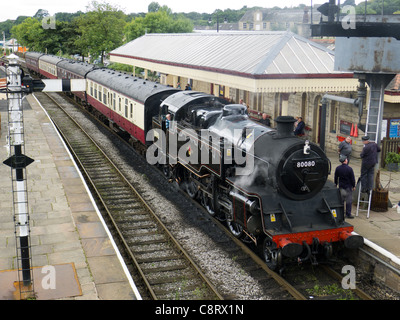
[(270, 186)]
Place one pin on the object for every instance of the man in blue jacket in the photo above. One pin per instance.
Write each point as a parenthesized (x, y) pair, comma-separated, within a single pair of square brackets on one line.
[(344, 175), (299, 130), (369, 157)]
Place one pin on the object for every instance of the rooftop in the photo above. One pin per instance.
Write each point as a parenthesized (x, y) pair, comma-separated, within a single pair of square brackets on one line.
[(252, 54)]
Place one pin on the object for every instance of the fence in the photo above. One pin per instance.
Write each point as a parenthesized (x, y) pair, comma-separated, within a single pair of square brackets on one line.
[(389, 145)]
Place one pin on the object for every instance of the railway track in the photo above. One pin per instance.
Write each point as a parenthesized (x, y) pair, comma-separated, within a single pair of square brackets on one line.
[(166, 269), (306, 283)]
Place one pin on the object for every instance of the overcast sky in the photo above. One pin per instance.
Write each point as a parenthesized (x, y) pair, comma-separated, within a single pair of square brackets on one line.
[(12, 9)]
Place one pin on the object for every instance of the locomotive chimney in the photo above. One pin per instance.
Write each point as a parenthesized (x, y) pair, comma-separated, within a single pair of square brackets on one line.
[(284, 127)]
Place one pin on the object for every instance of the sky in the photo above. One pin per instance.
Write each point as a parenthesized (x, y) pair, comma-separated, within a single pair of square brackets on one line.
[(13, 9)]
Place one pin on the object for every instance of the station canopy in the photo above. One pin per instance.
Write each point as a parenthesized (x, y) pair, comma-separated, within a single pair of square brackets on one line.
[(256, 56)]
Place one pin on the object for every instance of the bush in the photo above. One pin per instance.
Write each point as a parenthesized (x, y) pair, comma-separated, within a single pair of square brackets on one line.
[(120, 67), (392, 157)]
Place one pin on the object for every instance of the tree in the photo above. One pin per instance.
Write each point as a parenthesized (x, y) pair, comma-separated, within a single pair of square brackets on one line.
[(161, 21), (101, 29), (153, 7), (375, 7), (29, 33)]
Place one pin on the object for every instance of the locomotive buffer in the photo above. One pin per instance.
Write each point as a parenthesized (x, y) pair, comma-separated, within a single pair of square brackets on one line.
[(18, 86)]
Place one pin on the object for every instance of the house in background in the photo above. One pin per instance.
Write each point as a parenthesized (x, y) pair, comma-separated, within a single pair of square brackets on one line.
[(295, 20)]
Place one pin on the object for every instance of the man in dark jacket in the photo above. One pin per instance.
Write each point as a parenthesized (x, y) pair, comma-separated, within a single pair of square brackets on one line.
[(369, 157), (345, 148), (344, 175), (264, 120), (299, 130)]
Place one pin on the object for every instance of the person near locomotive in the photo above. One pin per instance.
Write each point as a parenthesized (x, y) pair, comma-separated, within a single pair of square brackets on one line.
[(345, 148), (369, 157), (265, 120), (344, 176), (299, 129)]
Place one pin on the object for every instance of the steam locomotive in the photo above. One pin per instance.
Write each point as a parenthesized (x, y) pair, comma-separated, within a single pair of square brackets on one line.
[(269, 186)]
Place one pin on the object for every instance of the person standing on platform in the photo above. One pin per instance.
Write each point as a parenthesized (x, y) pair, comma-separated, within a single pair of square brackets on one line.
[(369, 157), (264, 120), (299, 130), (344, 176), (345, 148)]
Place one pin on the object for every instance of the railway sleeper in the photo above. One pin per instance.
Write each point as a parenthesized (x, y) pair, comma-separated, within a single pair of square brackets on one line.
[(119, 201), (124, 216), (159, 258), (164, 269), (116, 196), (143, 233), (151, 248), (145, 242), (132, 228), (171, 279)]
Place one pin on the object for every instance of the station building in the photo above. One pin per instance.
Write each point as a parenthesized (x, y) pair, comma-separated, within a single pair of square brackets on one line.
[(279, 73)]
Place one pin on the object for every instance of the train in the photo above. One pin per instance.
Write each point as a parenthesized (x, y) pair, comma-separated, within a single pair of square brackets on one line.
[(269, 186)]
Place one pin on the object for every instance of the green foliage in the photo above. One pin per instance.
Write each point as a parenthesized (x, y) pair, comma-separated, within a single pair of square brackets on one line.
[(392, 157), (331, 290), (101, 29), (120, 67), (161, 21), (375, 7)]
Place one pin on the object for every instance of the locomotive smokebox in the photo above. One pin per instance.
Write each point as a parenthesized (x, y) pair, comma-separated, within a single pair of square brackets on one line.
[(284, 127)]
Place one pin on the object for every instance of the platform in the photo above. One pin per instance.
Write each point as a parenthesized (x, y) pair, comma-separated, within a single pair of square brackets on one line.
[(67, 232), (382, 228)]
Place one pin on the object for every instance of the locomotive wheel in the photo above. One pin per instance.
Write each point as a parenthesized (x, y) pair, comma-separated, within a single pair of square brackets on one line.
[(191, 189), (272, 256), (235, 228), (208, 204), (190, 186), (167, 171)]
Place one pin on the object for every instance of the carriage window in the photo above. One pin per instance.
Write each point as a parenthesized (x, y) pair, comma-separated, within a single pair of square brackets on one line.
[(131, 115), (100, 92), (95, 91), (114, 105), (91, 89), (126, 108), (105, 97)]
